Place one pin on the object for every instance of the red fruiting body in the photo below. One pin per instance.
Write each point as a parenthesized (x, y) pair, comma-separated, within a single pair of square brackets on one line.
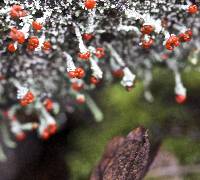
[(17, 12), (13, 33), (80, 73), (52, 128), (147, 44), (100, 53), (20, 136), (90, 4), (72, 74), (94, 80), (77, 86), (172, 42), (23, 103), (17, 7), (48, 103), (28, 99), (80, 99), (84, 56), (33, 42), (87, 36), (189, 32), (185, 37), (21, 37), (147, 29), (11, 48), (30, 48), (46, 46), (17, 35), (118, 73), (192, 9), (45, 134), (180, 99), (36, 26), (49, 130)]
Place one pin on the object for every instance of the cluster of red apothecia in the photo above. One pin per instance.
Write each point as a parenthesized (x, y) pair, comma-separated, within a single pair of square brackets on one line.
[(17, 11), (33, 42), (173, 41), (147, 30), (90, 4), (77, 73), (87, 36), (50, 130), (192, 9), (80, 73), (17, 36), (27, 99), (78, 86), (99, 53), (48, 104)]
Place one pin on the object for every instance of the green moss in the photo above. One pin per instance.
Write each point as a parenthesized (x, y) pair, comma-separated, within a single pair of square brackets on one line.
[(192, 177), (185, 149)]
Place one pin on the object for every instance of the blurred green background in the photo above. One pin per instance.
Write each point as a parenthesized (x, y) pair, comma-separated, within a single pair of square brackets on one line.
[(177, 126)]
